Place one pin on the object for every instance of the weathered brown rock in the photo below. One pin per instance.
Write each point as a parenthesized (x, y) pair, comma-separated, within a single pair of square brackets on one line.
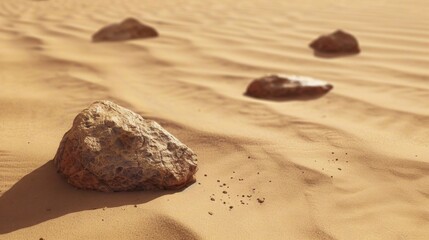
[(128, 29), (279, 86), (338, 42), (110, 148)]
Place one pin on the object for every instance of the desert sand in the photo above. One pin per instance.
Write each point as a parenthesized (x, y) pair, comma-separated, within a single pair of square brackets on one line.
[(353, 164)]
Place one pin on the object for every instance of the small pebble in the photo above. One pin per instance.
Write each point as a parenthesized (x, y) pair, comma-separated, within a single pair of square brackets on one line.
[(261, 200), (210, 213), (339, 169), (224, 192)]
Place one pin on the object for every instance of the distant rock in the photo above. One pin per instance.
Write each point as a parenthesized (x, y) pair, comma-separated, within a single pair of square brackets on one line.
[(128, 29), (279, 87), (110, 148), (338, 42)]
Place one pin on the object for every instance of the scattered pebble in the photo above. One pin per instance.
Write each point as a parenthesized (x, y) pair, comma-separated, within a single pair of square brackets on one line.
[(218, 180), (135, 206), (231, 207), (339, 169), (224, 192), (210, 213), (212, 199), (261, 200), (205, 175)]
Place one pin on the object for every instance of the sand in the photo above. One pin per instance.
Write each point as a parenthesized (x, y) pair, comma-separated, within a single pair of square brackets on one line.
[(353, 164)]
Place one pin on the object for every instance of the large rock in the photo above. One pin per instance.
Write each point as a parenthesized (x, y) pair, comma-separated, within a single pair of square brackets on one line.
[(128, 29), (338, 42), (110, 148), (280, 86)]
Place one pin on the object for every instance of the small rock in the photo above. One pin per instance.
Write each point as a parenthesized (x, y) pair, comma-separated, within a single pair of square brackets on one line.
[(283, 87), (338, 42), (210, 213), (261, 200), (128, 29), (212, 199), (224, 192)]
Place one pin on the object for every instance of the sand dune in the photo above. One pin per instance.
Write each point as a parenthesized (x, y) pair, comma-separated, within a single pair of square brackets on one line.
[(353, 164)]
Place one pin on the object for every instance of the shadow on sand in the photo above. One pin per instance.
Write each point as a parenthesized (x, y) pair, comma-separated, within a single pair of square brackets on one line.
[(289, 99), (43, 195), (333, 55)]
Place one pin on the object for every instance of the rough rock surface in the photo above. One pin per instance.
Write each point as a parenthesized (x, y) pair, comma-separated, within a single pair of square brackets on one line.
[(110, 148), (279, 86), (338, 42), (128, 29)]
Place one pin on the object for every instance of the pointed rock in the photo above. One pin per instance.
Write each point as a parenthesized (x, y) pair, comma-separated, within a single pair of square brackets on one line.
[(280, 86), (128, 29), (110, 148)]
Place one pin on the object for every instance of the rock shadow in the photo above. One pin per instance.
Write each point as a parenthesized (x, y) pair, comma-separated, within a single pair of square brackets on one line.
[(289, 99), (43, 195), (333, 55)]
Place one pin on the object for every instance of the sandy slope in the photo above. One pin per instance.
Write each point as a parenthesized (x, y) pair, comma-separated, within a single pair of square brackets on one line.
[(374, 125)]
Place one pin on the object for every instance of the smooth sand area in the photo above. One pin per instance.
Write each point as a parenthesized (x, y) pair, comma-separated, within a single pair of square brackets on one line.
[(353, 164)]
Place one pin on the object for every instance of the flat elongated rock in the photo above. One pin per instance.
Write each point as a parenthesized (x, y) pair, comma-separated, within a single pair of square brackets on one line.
[(110, 148), (128, 29), (338, 42), (281, 86)]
